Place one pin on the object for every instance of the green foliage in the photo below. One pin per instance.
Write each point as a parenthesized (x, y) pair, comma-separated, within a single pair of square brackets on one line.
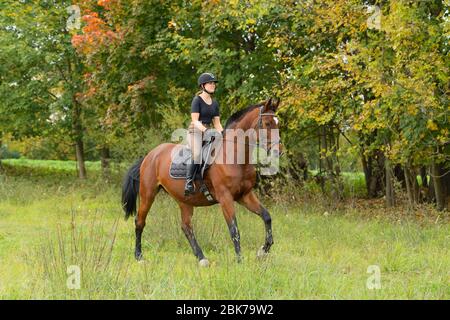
[(39, 89), (349, 88), (30, 167), (5, 153)]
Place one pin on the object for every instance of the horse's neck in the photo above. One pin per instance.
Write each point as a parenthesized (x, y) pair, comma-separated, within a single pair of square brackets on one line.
[(246, 123)]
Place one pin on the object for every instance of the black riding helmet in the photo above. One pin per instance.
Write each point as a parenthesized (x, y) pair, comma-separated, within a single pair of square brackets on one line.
[(205, 78)]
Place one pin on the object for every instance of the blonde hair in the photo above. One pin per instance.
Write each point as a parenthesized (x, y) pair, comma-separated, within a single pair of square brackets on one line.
[(198, 92)]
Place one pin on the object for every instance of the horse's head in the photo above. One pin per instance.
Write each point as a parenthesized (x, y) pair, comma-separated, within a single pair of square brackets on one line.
[(267, 127)]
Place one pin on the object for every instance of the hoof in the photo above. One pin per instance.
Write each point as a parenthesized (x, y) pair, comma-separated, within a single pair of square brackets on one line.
[(203, 263), (261, 254), (139, 257)]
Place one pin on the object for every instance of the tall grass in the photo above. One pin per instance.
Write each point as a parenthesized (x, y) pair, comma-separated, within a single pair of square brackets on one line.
[(84, 245), (48, 224)]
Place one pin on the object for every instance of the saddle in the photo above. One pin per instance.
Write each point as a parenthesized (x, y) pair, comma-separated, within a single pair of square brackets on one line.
[(178, 166), (182, 157)]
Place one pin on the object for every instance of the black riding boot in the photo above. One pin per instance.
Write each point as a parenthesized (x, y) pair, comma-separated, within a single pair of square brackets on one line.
[(190, 172)]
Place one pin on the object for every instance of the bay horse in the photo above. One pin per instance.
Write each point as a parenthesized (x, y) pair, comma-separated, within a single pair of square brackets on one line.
[(226, 182)]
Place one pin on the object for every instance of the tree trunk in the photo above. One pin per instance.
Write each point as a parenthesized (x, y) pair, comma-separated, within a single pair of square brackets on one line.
[(446, 184), (298, 167), (431, 196), (105, 158), (1, 166), (412, 187), (374, 169), (367, 168), (408, 187), (390, 196), (322, 167), (303, 166), (440, 191), (79, 150), (416, 188), (338, 184), (323, 148), (77, 129), (326, 146)]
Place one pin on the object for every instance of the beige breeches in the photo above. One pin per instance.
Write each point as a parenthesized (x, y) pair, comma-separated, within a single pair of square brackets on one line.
[(194, 140)]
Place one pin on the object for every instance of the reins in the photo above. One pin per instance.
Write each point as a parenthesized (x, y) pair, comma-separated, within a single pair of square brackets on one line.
[(257, 144)]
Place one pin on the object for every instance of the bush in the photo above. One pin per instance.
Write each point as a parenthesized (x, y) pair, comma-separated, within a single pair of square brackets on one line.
[(5, 153)]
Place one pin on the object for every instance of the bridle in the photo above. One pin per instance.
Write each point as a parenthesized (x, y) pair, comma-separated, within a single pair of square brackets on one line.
[(259, 127)]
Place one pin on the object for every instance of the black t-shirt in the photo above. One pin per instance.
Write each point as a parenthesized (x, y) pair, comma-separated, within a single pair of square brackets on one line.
[(207, 112)]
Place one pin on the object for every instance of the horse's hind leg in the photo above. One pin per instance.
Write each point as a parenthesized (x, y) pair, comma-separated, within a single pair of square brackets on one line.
[(147, 195), (186, 217)]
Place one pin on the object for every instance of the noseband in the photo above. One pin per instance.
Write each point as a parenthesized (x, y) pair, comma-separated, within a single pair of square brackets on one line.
[(259, 127)]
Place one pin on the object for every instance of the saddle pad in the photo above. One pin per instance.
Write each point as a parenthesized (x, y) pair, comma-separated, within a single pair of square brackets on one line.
[(180, 158)]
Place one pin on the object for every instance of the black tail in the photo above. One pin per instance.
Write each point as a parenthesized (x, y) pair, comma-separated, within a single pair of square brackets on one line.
[(130, 189)]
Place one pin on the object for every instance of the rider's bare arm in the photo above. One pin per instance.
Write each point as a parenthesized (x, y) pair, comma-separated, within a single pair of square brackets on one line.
[(196, 122), (217, 124)]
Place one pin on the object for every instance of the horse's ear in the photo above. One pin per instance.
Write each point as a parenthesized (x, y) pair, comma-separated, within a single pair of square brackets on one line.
[(271, 104), (275, 104), (268, 105)]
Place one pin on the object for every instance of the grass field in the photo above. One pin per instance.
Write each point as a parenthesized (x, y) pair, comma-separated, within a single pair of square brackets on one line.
[(51, 222)]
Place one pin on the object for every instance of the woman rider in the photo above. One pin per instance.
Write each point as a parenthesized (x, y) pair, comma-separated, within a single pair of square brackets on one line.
[(204, 111)]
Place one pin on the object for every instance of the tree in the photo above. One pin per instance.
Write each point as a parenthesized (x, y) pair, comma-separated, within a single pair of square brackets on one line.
[(44, 71)]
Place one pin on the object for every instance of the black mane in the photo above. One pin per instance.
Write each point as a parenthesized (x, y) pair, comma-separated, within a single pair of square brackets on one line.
[(239, 114)]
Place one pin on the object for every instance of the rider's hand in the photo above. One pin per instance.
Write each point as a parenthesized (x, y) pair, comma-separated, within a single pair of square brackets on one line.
[(211, 134)]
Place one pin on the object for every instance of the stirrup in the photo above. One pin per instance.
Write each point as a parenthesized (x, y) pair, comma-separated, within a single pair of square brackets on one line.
[(189, 188)]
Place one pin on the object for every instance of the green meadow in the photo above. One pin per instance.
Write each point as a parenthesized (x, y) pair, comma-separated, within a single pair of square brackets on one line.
[(52, 224)]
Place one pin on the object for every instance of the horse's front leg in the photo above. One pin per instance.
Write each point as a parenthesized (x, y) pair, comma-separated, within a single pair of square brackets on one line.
[(186, 218), (252, 203), (227, 203)]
